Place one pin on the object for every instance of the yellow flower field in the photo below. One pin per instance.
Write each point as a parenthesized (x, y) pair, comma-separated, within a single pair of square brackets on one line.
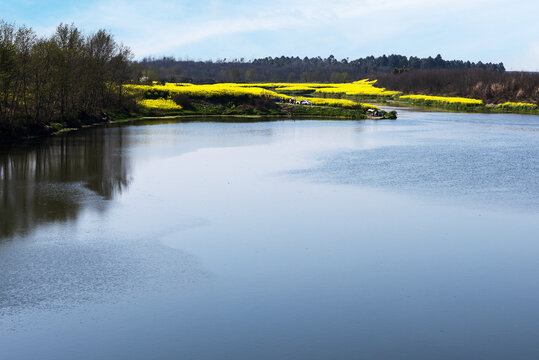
[(160, 104), (285, 85), (517, 105), (441, 99), (358, 88), (295, 88), (324, 94), (251, 90), (206, 91), (363, 87)]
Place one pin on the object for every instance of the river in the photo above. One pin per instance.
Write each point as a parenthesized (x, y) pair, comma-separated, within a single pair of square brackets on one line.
[(409, 239)]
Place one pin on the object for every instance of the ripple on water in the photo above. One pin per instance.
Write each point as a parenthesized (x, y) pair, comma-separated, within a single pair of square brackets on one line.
[(59, 275), (481, 174)]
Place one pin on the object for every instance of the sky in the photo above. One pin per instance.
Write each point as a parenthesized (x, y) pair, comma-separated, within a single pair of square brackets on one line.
[(476, 30)]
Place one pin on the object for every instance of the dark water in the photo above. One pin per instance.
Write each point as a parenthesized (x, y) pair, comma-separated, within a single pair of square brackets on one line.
[(408, 239)]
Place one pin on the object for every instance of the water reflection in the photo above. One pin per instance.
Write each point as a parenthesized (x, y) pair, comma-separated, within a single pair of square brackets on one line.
[(52, 181), (64, 262)]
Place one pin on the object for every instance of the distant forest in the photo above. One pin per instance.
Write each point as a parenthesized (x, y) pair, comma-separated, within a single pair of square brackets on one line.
[(295, 69)]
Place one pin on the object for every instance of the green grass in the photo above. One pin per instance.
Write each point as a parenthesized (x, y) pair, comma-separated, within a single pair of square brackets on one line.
[(264, 110)]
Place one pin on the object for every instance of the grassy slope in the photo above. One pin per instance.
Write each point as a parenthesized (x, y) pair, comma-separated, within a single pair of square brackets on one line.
[(277, 110)]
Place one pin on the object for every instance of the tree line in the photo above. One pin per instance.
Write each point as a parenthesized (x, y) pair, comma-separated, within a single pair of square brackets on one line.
[(487, 85), (67, 78), (294, 69)]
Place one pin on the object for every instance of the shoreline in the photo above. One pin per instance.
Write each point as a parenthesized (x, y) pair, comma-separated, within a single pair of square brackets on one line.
[(478, 109), (481, 109), (280, 116), (6, 142)]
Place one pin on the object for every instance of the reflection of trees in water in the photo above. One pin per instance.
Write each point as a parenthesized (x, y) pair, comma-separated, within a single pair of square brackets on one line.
[(51, 181)]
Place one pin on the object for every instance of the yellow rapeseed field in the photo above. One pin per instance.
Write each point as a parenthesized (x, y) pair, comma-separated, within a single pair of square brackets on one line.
[(442, 99), (285, 85), (363, 87), (325, 92), (517, 105), (207, 91), (252, 90), (295, 88), (161, 104)]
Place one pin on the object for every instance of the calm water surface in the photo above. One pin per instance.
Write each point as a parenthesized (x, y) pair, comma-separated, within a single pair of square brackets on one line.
[(408, 239)]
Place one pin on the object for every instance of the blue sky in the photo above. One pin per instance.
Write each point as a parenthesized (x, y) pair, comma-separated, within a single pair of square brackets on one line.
[(490, 31)]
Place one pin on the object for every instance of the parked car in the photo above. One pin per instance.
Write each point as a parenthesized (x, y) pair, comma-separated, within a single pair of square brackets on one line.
[(304, 102)]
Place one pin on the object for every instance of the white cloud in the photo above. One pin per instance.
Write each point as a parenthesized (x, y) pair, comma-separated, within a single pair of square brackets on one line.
[(166, 25), (458, 28)]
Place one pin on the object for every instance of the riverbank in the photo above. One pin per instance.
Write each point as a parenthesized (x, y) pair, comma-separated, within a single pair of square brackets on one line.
[(480, 109), (468, 105), (264, 109), (366, 91), (285, 112), (476, 106), (212, 112)]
